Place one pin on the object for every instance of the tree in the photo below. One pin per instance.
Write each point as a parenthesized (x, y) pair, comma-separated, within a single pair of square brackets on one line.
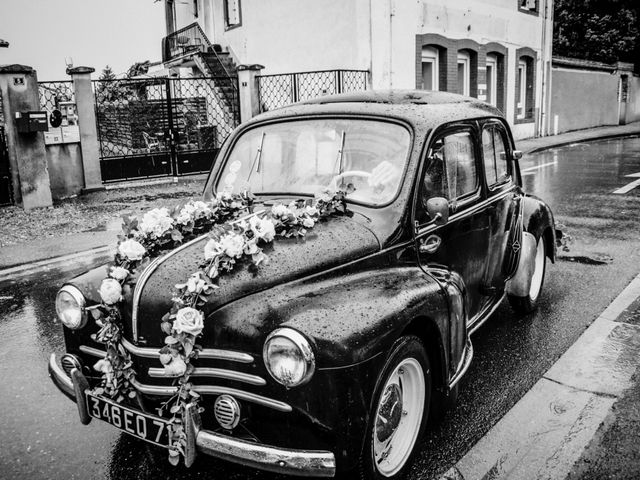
[(108, 88), (601, 30)]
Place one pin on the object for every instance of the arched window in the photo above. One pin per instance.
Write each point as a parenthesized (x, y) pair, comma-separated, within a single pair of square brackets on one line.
[(525, 84), (492, 79), (464, 73), (430, 69)]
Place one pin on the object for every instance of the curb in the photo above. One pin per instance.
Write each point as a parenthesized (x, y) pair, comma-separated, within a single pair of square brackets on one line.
[(581, 140), (28, 268), (546, 431)]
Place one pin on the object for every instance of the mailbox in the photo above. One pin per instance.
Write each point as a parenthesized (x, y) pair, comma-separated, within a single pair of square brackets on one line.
[(28, 122)]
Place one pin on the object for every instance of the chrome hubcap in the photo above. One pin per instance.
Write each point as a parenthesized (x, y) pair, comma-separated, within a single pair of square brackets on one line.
[(398, 417)]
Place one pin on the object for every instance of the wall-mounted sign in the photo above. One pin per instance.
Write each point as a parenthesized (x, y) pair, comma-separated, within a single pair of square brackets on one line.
[(68, 134)]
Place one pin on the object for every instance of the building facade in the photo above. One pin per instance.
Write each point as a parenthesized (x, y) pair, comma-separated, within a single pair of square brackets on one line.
[(495, 50)]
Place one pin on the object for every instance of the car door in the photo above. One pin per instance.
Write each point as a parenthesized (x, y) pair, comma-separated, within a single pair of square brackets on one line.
[(503, 209), (452, 171)]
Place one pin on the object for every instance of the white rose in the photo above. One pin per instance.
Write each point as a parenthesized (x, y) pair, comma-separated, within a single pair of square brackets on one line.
[(264, 229), (308, 222), (156, 222), (131, 250), (313, 211), (119, 273), (212, 249), (103, 366), (280, 210), (232, 244), (165, 358), (195, 283), (188, 320), (110, 291), (187, 214), (176, 368), (201, 209)]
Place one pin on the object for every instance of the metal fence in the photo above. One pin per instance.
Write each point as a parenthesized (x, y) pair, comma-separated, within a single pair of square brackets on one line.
[(53, 93), (279, 90), (160, 126)]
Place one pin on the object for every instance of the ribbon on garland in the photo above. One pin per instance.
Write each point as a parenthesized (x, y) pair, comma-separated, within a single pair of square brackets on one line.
[(237, 236)]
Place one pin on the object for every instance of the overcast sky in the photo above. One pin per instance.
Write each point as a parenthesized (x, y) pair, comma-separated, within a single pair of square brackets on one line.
[(41, 33)]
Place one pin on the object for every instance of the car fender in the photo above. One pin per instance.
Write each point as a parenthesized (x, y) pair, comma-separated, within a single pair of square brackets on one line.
[(538, 220), (355, 317)]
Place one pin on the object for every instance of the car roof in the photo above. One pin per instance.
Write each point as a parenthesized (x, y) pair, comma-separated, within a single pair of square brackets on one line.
[(422, 108)]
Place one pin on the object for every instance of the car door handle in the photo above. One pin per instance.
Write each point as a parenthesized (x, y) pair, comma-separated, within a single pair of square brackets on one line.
[(430, 244)]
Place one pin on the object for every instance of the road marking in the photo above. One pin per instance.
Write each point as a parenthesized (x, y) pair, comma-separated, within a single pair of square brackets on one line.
[(629, 186), (537, 167)]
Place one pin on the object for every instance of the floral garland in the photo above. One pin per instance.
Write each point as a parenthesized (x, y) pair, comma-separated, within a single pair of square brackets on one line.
[(232, 241)]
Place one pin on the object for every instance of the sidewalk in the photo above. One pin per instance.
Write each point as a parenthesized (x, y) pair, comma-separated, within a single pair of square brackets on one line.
[(83, 223), (580, 420), (533, 145), (102, 210)]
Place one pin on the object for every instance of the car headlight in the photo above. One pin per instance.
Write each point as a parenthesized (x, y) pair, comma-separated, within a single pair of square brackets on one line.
[(288, 357), (70, 307)]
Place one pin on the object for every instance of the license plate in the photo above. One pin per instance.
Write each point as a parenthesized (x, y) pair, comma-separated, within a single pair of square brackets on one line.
[(151, 428)]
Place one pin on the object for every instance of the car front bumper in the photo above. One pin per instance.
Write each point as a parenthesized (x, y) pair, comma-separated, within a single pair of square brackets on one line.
[(309, 463)]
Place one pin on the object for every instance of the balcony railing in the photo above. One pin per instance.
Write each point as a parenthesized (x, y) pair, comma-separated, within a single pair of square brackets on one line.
[(188, 40)]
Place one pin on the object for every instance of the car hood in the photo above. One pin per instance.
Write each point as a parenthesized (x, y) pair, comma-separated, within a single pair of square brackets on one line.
[(329, 244)]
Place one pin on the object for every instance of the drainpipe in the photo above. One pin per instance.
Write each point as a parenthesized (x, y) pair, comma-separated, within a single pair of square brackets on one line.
[(545, 98), (392, 12), (371, 43)]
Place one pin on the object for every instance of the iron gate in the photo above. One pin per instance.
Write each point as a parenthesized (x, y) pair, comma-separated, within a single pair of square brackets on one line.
[(6, 197), (161, 126)]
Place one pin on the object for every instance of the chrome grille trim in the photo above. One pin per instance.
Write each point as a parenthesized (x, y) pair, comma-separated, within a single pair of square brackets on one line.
[(215, 390), (96, 352), (216, 372), (207, 353)]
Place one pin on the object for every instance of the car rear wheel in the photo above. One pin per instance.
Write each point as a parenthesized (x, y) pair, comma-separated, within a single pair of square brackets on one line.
[(529, 302), (400, 411)]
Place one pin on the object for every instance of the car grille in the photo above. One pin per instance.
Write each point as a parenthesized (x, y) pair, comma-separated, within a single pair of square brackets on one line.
[(228, 356)]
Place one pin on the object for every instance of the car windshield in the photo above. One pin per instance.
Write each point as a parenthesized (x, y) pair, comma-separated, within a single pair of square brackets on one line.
[(305, 157)]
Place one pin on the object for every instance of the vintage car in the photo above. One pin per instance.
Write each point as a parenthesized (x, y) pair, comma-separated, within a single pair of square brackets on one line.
[(332, 357)]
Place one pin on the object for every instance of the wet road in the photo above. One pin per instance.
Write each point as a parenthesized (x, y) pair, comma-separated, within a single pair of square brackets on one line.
[(42, 438)]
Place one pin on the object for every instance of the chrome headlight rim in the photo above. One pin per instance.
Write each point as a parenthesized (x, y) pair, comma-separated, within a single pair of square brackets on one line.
[(304, 347), (78, 297)]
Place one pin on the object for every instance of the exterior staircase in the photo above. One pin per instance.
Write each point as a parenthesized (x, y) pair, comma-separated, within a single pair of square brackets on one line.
[(222, 68), (191, 43)]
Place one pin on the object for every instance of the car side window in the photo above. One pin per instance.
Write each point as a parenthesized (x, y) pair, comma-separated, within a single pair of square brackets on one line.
[(451, 170), (495, 159)]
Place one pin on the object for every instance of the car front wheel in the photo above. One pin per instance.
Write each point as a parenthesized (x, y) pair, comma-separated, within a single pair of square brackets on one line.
[(400, 411), (529, 302)]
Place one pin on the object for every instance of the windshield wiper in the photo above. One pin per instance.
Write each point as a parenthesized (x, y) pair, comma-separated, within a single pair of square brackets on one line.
[(340, 154), (258, 158)]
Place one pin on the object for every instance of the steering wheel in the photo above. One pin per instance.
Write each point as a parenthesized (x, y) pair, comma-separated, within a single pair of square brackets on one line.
[(333, 184)]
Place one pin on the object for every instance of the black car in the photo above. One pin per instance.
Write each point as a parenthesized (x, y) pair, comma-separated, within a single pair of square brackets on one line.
[(332, 356)]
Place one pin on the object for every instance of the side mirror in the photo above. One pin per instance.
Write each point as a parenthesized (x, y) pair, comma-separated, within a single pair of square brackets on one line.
[(438, 210), (517, 154)]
